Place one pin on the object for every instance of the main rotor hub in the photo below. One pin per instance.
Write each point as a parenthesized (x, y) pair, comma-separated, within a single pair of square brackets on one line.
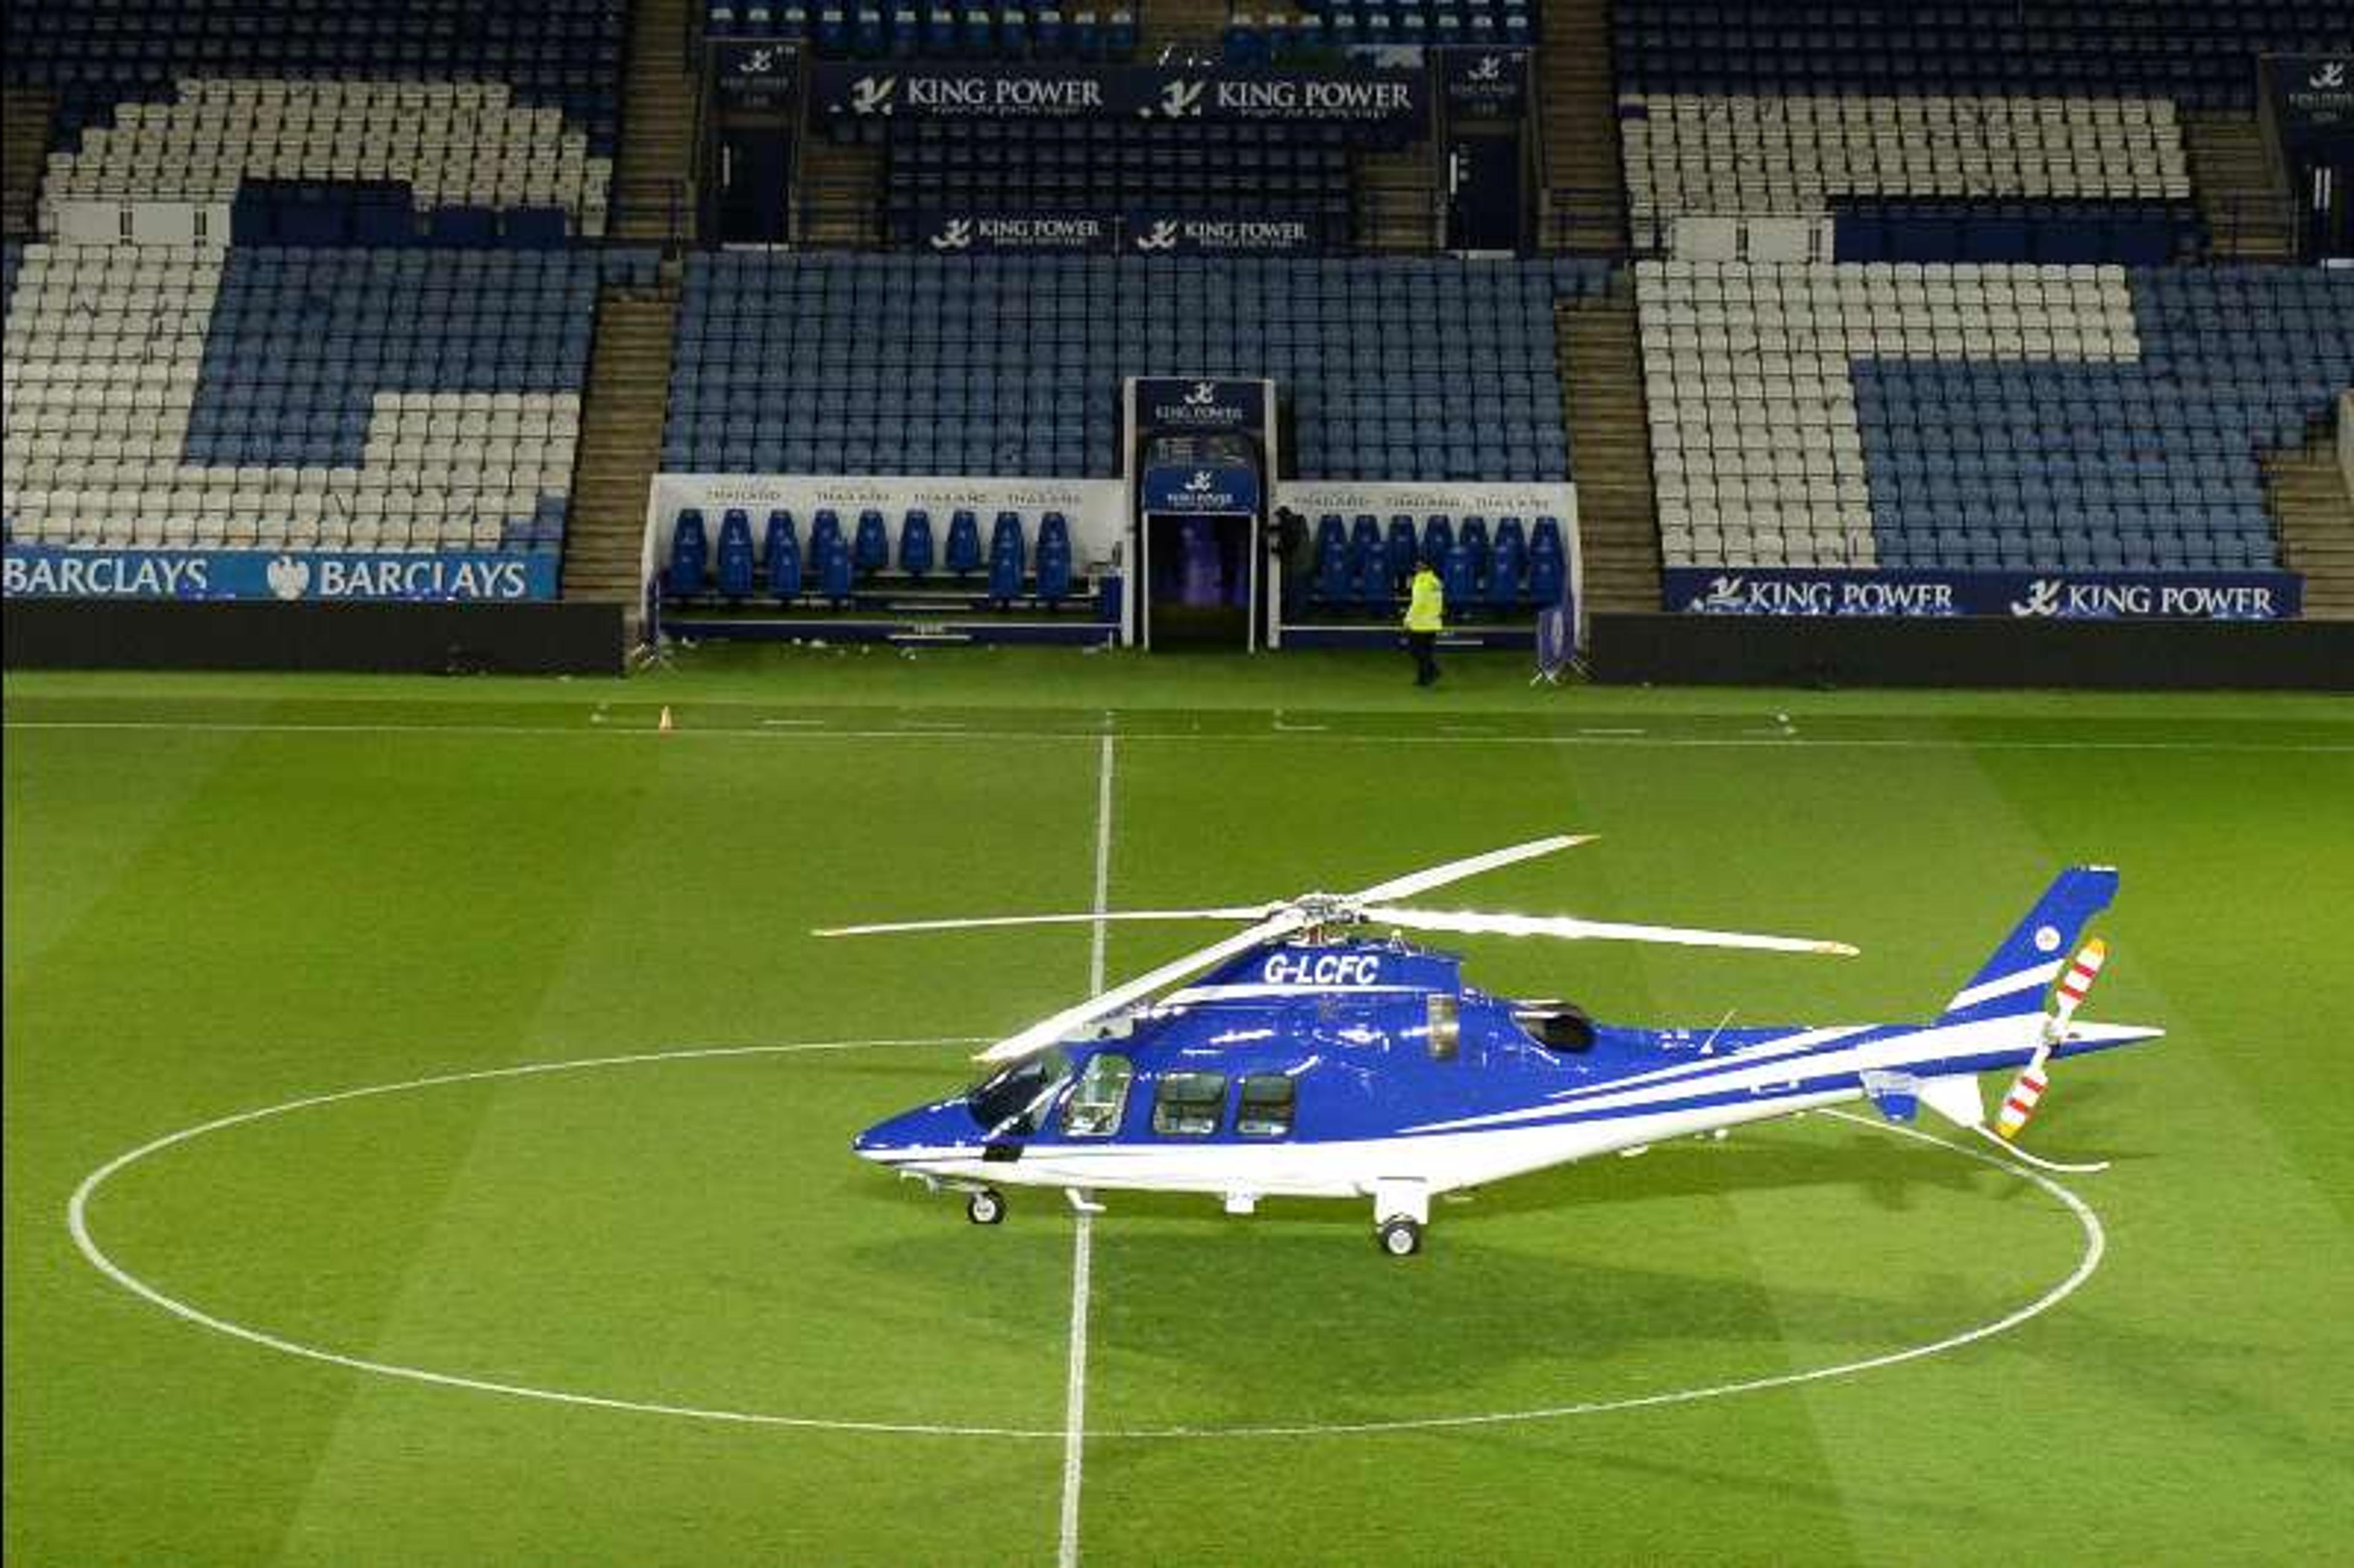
[(1327, 908)]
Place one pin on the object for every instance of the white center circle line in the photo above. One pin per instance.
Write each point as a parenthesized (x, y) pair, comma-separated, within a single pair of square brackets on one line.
[(77, 1226)]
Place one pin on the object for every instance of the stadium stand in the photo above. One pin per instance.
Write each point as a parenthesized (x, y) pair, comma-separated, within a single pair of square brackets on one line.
[(479, 103), (2198, 53), (1981, 418), (1007, 366), (936, 31), (1272, 171), (2063, 114), (404, 398), (465, 146), (1258, 39)]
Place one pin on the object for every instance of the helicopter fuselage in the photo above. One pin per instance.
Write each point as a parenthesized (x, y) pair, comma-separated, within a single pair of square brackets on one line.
[(1370, 1069)]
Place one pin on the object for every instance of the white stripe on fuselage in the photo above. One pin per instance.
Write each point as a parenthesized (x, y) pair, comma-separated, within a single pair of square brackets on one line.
[(1442, 1162), (1918, 1049)]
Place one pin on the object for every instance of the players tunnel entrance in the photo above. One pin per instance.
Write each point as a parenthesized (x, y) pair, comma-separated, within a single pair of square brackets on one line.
[(1199, 540)]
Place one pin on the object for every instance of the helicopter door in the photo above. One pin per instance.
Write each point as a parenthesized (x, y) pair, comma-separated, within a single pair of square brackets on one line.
[(1443, 1024), (1101, 1094)]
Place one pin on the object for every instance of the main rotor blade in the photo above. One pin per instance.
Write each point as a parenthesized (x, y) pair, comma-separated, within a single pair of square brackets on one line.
[(1574, 929), (1046, 1031), (1252, 912), (1416, 882)]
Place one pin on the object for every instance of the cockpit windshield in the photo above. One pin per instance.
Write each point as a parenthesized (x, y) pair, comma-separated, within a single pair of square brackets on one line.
[(1011, 1103)]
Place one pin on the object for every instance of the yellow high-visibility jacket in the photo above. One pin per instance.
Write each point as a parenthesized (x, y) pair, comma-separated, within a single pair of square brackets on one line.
[(1426, 610)]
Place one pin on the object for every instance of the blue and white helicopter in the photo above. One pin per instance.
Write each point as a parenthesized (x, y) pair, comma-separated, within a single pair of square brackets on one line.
[(1312, 1062)]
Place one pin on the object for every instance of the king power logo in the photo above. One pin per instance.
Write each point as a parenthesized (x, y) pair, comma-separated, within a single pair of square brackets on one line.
[(1181, 98), (1162, 235), (1203, 395), (1490, 69), (873, 94), (2328, 77), (954, 235), (1199, 483)]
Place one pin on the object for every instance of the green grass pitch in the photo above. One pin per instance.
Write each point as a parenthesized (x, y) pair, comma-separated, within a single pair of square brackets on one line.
[(228, 894)]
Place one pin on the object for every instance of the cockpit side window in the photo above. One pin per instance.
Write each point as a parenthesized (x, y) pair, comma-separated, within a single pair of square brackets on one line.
[(1264, 1108), (1093, 1110), (1187, 1105), (1012, 1103)]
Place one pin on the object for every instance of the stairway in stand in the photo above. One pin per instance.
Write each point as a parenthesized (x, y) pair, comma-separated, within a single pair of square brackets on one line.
[(620, 443), (1585, 207), (1187, 25), (1610, 447), (1396, 198), (2240, 196), (653, 175), (24, 114), (837, 193), (2305, 492)]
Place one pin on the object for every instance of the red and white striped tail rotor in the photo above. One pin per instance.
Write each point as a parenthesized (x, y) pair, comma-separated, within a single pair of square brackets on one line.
[(2027, 1090), (2025, 1093), (2074, 987)]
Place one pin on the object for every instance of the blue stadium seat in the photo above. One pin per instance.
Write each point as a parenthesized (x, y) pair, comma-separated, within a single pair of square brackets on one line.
[(1401, 549), (836, 565), (1005, 538), (784, 556), (1053, 528), (1455, 576), (1054, 568), (1471, 541), (1507, 565), (1437, 538), (736, 560), (690, 556), (1548, 571), (964, 542), (825, 528), (916, 543), (871, 550)]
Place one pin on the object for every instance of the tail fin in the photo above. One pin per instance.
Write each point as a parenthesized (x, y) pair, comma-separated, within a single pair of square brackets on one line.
[(2014, 980)]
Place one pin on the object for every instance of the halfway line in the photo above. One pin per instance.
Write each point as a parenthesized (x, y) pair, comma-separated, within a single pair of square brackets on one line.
[(1075, 1387)]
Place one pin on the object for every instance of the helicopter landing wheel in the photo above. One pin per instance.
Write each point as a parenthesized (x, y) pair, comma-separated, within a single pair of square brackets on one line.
[(1399, 1238), (986, 1207)]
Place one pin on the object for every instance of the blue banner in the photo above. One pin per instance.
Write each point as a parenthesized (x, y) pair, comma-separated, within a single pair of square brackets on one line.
[(949, 232), (1155, 232), (756, 74), (1212, 487), (1395, 100), (1484, 84), (2056, 595), (38, 572), (2311, 100), (1175, 404)]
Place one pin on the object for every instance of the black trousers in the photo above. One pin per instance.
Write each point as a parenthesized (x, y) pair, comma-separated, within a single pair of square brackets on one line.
[(1424, 645)]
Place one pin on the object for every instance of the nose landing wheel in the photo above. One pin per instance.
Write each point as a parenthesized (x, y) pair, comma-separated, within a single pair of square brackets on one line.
[(985, 1207), (1399, 1238)]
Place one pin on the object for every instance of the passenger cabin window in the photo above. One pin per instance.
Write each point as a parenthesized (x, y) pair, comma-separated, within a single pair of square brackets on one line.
[(1446, 1028), (1187, 1104), (1264, 1108), (1093, 1110)]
